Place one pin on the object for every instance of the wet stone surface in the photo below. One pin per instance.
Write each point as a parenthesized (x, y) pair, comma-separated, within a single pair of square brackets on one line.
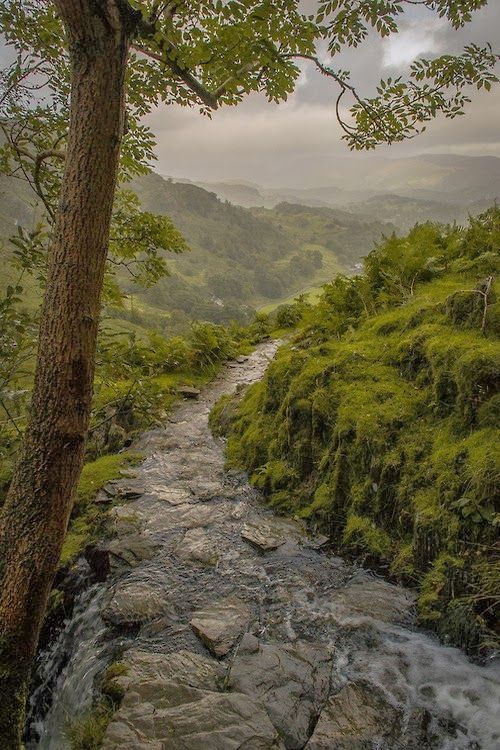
[(239, 631)]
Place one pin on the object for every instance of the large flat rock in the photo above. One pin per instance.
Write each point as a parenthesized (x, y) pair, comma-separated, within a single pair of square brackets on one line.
[(187, 516), (356, 718), (172, 702), (291, 681), (219, 625), (372, 599)]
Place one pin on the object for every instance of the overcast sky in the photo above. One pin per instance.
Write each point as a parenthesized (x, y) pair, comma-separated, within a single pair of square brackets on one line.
[(297, 143)]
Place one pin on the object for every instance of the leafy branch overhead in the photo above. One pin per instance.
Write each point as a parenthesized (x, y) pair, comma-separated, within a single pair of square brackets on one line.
[(210, 54)]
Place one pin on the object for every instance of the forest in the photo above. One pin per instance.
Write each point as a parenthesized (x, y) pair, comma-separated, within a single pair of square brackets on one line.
[(249, 375)]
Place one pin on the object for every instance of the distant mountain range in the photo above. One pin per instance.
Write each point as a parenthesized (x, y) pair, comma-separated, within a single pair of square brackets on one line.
[(440, 187)]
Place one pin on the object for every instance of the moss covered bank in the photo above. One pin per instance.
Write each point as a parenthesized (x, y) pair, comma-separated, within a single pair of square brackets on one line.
[(379, 422)]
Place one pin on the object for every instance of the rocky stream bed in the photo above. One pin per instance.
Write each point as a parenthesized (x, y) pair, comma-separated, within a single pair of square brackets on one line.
[(239, 630)]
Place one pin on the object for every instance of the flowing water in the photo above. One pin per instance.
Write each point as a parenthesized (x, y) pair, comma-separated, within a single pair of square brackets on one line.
[(330, 659)]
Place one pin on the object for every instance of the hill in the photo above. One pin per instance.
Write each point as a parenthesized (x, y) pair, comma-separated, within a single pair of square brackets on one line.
[(241, 259), (378, 423)]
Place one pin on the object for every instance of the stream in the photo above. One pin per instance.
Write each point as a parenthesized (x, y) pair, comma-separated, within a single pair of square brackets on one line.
[(236, 629)]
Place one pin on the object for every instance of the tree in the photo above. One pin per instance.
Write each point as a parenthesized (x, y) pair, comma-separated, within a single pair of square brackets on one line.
[(112, 60)]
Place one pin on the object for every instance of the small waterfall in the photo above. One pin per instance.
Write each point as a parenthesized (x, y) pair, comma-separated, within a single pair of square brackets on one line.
[(67, 670)]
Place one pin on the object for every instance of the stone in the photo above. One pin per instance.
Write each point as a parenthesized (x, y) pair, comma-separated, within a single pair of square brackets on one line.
[(317, 542), (207, 721), (122, 521), (356, 718), (187, 391), (133, 603), (269, 533), (187, 516), (129, 550), (292, 682), (97, 557), (206, 490), (219, 721), (172, 702), (102, 498), (170, 495), (196, 546), (111, 489), (183, 667), (372, 599), (219, 625)]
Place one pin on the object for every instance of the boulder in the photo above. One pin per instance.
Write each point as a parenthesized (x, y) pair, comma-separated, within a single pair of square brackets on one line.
[(197, 547), (356, 718), (269, 533), (117, 554), (133, 603), (372, 599), (291, 681), (219, 625), (170, 495)]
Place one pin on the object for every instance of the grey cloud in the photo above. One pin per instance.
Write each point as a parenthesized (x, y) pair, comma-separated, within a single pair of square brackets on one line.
[(297, 143)]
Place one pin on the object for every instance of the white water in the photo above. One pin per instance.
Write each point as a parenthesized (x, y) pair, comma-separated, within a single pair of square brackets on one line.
[(83, 639)]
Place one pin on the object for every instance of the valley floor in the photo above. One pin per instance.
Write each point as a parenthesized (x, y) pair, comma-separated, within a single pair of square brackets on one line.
[(230, 627)]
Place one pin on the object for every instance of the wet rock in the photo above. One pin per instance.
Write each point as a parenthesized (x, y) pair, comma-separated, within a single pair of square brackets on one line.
[(372, 599), (122, 521), (269, 533), (210, 721), (197, 547), (291, 681), (172, 702), (102, 498), (170, 495), (188, 516), (97, 557), (132, 603), (111, 489), (183, 667), (356, 718), (219, 625), (187, 391), (206, 490), (132, 491), (219, 721), (317, 542), (130, 550)]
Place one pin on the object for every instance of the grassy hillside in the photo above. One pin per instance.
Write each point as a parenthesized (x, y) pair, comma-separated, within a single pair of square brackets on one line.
[(343, 235), (379, 422), (242, 259)]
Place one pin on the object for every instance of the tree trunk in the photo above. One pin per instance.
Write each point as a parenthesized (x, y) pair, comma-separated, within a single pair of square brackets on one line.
[(39, 503)]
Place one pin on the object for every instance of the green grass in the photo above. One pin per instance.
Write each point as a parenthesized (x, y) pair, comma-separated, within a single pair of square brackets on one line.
[(312, 294), (382, 430)]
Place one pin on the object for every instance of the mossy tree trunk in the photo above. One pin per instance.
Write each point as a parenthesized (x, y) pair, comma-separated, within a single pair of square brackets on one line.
[(39, 503)]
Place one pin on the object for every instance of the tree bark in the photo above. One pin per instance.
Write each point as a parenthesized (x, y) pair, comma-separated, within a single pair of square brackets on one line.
[(39, 503)]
